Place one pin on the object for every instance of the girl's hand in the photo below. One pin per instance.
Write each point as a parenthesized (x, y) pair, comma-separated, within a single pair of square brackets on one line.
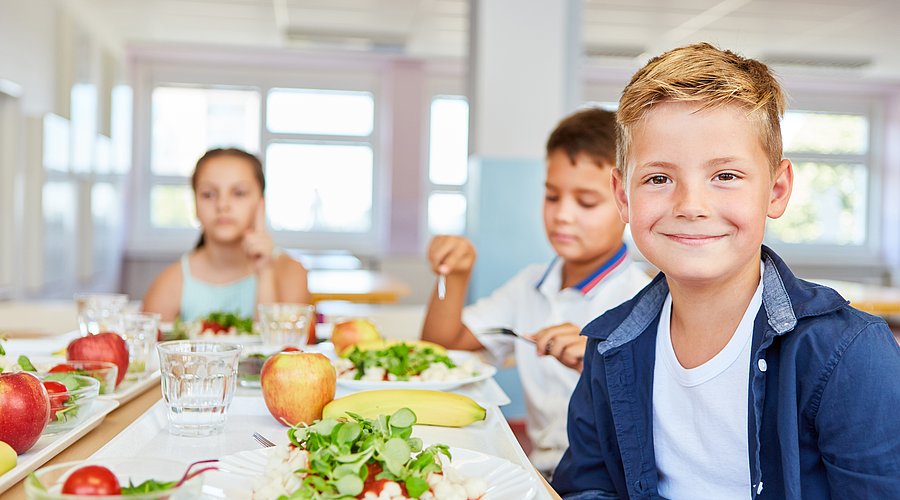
[(451, 255), (564, 342), (257, 243)]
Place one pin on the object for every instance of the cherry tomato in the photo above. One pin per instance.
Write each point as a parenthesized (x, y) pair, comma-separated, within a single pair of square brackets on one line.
[(63, 368), (290, 348), (56, 391), (92, 480)]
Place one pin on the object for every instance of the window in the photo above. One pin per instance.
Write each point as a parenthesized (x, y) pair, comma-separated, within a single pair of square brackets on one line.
[(320, 162), (316, 144), (830, 203), (448, 151), (187, 121)]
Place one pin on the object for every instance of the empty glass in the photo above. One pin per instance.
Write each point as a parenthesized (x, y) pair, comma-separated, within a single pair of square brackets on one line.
[(140, 331), (100, 312), (285, 324), (198, 381)]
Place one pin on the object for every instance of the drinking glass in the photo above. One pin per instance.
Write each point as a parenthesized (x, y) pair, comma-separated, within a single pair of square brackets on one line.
[(198, 381), (285, 324), (139, 331), (100, 312)]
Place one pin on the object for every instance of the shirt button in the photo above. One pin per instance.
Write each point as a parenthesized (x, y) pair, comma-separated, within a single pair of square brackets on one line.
[(759, 488), (762, 365)]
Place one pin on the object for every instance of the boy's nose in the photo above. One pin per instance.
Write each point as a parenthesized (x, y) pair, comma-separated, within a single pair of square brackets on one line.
[(565, 210), (690, 202)]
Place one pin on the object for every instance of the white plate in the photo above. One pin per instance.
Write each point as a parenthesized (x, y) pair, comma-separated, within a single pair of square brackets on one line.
[(505, 480), (49, 446), (485, 371)]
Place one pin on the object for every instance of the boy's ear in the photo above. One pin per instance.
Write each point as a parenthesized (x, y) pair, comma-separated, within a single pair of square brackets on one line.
[(620, 193), (781, 189)]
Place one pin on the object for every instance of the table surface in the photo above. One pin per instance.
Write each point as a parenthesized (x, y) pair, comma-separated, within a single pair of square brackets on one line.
[(873, 299), (355, 285)]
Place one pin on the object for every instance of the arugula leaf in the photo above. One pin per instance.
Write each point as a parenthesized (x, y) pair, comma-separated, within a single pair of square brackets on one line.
[(344, 454), (25, 364), (229, 319), (148, 486), (401, 360)]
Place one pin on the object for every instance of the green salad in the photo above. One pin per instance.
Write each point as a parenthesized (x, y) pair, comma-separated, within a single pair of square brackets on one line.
[(401, 360), (347, 457)]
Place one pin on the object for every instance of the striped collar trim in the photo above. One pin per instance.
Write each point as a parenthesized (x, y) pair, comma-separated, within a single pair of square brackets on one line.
[(589, 283)]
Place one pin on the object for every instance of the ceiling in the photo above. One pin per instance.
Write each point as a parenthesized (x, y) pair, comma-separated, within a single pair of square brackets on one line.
[(858, 37)]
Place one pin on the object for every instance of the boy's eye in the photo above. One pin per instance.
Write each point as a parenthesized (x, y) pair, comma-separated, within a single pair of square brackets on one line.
[(658, 179), (551, 197), (587, 203), (726, 176), (206, 195)]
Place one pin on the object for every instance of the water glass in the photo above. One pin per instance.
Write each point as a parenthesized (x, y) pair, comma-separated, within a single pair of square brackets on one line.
[(139, 331), (100, 312), (285, 324), (198, 381)]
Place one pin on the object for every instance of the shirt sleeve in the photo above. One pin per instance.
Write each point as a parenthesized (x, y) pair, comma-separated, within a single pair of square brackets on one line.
[(582, 471), (857, 420), (498, 310)]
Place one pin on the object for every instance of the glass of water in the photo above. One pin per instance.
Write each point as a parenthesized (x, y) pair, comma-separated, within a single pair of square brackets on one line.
[(198, 381), (100, 312), (285, 324), (139, 331)]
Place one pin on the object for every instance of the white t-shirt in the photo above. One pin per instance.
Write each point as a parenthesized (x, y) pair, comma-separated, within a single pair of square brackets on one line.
[(530, 301), (700, 415)]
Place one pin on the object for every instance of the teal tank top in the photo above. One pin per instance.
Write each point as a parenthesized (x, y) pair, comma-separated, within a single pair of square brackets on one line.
[(199, 298)]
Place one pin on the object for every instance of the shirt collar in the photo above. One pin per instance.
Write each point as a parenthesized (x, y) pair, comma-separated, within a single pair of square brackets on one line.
[(589, 283)]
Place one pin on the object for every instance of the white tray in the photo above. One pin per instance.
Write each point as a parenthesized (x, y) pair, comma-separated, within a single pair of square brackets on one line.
[(48, 447), (130, 389), (148, 436)]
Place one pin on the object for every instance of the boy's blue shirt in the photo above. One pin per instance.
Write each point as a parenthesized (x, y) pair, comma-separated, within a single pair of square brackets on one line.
[(824, 398)]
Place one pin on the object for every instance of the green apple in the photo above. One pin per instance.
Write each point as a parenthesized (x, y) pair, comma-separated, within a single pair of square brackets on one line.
[(7, 458)]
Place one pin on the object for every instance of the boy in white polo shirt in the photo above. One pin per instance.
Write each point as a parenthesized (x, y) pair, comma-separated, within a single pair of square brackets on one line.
[(591, 273)]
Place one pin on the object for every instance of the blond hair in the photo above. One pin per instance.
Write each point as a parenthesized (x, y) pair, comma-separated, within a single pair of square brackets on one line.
[(706, 74)]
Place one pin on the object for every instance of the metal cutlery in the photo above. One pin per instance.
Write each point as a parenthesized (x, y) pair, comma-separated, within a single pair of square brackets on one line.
[(442, 286), (262, 440), (507, 331)]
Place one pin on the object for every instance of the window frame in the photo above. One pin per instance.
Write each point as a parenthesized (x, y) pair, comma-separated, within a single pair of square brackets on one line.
[(870, 106), (438, 86), (145, 239)]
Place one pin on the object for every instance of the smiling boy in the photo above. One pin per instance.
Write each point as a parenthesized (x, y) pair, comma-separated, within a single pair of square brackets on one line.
[(591, 273), (727, 376)]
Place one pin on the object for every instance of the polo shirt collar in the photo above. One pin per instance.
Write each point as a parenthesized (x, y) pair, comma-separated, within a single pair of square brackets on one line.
[(553, 275)]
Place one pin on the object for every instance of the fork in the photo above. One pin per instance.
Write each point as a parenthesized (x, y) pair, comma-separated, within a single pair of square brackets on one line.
[(507, 331), (262, 440)]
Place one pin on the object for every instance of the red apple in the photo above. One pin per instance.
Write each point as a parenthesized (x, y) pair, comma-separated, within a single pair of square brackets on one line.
[(107, 346), (297, 385), (24, 410), (351, 332)]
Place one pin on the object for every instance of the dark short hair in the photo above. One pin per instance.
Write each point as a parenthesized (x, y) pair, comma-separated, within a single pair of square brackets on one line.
[(590, 131)]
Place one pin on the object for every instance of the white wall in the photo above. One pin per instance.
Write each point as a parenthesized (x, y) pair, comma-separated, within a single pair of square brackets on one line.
[(27, 45)]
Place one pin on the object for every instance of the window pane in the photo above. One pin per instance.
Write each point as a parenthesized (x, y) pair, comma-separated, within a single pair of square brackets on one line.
[(172, 206), (188, 121), (449, 141), (60, 206), (319, 187), (84, 126), (828, 205), (56, 143), (121, 116), (446, 213), (106, 209), (825, 133), (326, 112)]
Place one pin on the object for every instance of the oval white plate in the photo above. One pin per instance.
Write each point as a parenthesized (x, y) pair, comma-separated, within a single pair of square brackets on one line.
[(485, 371), (505, 480)]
